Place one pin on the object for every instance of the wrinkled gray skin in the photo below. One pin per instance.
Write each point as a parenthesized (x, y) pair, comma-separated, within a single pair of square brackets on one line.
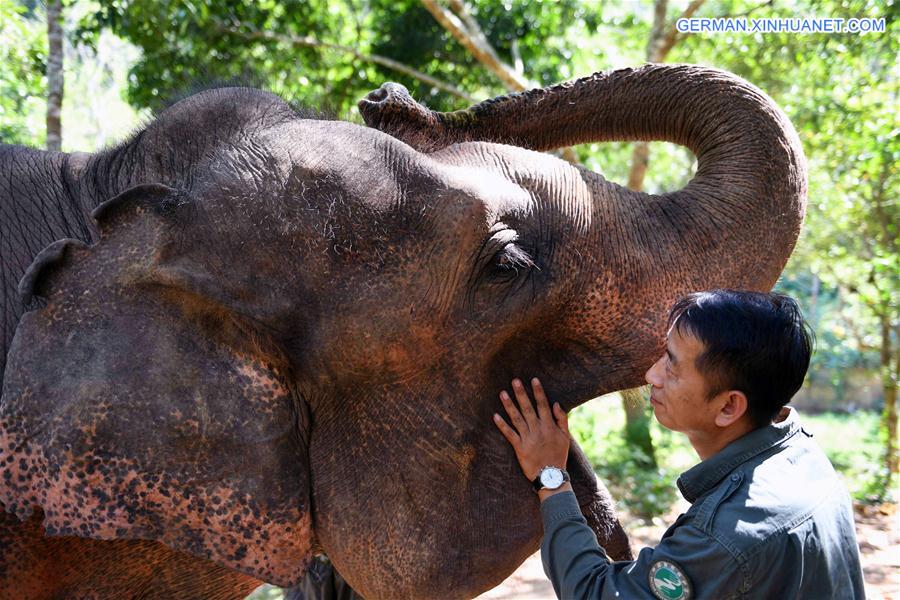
[(290, 333)]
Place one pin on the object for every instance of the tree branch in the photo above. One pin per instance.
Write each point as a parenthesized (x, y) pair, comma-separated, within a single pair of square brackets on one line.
[(665, 42), (662, 38), (468, 33), (747, 12), (310, 42)]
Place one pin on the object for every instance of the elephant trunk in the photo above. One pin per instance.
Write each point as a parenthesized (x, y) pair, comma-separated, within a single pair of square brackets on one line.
[(733, 225), (739, 217)]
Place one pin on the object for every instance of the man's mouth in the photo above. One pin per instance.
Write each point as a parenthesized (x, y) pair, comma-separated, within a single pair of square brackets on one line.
[(654, 400)]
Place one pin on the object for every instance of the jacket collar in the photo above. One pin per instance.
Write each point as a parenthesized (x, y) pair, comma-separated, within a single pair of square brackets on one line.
[(701, 478)]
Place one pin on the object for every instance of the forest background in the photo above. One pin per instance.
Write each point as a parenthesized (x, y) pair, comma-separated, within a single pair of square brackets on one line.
[(101, 68)]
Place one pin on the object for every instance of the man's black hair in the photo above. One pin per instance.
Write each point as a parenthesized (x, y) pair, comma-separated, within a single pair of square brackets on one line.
[(753, 342)]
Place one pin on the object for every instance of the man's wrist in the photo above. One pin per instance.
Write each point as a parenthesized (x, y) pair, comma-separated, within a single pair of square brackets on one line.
[(550, 476), (545, 493)]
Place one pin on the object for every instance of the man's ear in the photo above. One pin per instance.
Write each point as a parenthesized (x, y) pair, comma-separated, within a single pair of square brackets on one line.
[(133, 409), (732, 407)]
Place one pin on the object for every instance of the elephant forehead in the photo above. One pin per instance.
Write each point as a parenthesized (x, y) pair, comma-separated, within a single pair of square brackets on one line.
[(362, 163), (553, 186), (499, 194), (385, 173)]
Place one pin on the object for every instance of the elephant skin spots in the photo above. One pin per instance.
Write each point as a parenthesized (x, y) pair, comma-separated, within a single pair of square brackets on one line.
[(122, 419), (464, 457), (113, 499), (260, 384), (38, 567)]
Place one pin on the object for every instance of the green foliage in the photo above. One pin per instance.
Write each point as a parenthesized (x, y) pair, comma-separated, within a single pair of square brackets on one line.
[(637, 436), (828, 314), (851, 442), (853, 445), (23, 54), (840, 92), (189, 41), (646, 488), (185, 43), (93, 112)]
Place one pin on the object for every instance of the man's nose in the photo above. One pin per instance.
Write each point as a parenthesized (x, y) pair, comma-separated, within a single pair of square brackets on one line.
[(652, 375)]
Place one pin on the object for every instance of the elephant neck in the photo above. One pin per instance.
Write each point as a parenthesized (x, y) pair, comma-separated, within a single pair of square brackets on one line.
[(39, 200), (39, 204), (109, 173)]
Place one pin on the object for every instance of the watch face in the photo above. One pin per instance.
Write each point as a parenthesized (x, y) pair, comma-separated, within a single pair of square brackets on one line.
[(551, 478)]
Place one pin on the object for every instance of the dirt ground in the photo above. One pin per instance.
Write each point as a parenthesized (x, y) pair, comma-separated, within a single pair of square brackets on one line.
[(877, 530)]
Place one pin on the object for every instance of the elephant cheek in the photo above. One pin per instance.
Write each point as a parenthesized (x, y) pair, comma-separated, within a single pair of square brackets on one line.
[(438, 523)]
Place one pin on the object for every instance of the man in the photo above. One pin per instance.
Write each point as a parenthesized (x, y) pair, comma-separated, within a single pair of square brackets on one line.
[(768, 518)]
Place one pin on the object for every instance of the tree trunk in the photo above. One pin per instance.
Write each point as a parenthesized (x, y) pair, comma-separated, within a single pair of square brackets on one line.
[(662, 39), (54, 74), (467, 32), (637, 425), (890, 373)]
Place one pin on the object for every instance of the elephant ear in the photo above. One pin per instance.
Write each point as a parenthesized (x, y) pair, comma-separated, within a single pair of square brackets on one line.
[(136, 406)]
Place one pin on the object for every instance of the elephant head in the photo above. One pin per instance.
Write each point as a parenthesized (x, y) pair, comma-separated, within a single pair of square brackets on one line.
[(291, 333)]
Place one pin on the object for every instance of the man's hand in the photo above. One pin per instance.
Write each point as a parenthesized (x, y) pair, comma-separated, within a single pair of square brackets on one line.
[(539, 438)]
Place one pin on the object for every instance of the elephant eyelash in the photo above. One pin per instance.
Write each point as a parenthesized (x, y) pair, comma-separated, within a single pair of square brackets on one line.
[(514, 257), (509, 264), (505, 260)]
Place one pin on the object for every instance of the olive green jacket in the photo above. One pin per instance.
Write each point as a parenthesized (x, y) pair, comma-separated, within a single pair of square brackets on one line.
[(769, 518)]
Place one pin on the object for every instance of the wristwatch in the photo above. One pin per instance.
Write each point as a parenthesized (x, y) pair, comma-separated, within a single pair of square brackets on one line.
[(550, 478)]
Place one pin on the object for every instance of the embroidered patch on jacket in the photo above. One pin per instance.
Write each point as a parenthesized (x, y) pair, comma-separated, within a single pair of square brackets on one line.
[(668, 581)]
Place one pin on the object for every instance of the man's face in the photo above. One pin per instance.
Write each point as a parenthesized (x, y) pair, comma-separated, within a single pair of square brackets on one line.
[(678, 390)]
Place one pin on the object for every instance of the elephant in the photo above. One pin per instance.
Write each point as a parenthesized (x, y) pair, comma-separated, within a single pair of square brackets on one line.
[(255, 334)]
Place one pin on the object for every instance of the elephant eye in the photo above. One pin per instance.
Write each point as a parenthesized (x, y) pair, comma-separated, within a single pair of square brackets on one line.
[(510, 261), (504, 258)]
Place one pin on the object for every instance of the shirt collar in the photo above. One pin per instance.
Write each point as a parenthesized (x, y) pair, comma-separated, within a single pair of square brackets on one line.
[(702, 477)]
